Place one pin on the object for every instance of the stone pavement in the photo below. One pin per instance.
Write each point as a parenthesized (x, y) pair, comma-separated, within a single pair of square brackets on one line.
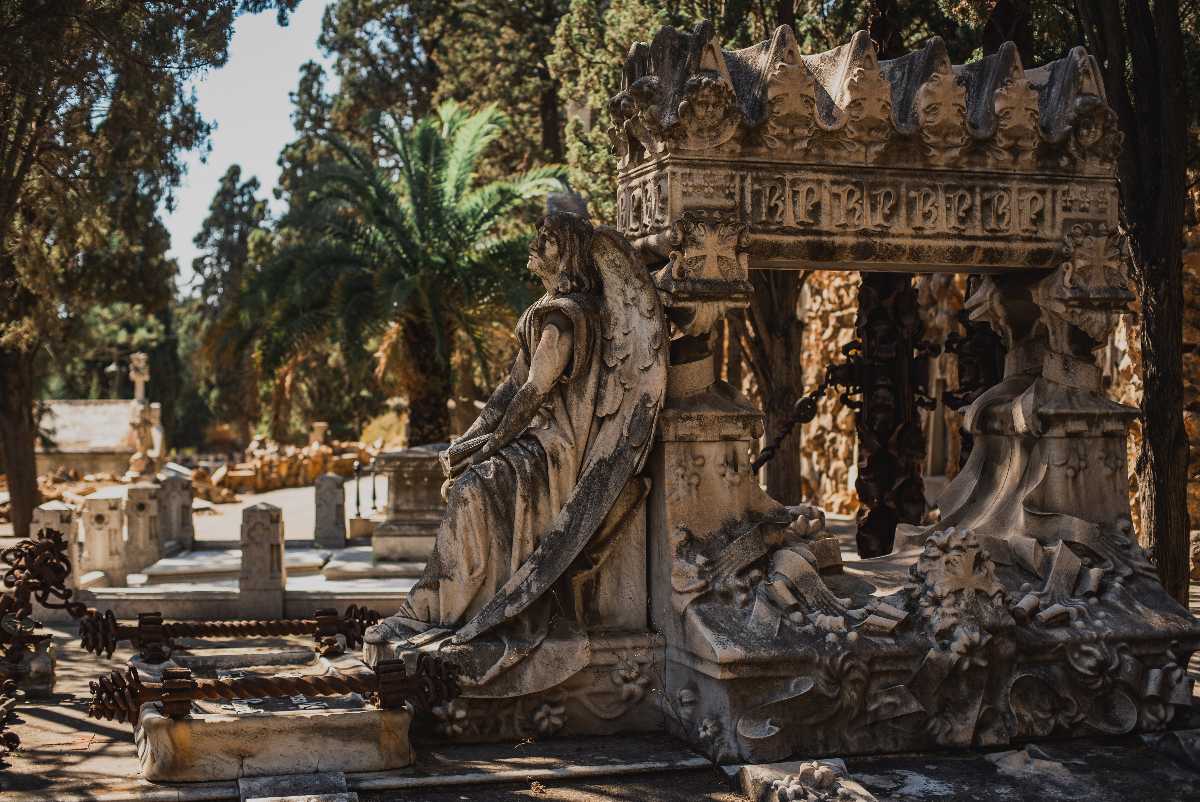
[(66, 756)]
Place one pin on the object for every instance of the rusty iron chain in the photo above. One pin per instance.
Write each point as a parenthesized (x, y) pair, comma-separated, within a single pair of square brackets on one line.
[(119, 695)]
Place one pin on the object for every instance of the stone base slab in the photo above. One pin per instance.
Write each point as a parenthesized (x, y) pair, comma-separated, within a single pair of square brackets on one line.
[(386, 545), (208, 746), (359, 562), (616, 691)]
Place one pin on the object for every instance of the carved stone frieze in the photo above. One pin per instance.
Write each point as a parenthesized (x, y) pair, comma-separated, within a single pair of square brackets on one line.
[(776, 139)]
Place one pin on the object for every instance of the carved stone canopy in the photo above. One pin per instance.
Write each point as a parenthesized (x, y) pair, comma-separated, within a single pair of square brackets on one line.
[(840, 160)]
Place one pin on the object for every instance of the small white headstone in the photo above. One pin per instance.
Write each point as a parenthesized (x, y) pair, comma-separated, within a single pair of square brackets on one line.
[(331, 512)]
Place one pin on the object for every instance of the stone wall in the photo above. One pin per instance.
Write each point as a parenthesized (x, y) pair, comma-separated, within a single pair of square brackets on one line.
[(828, 307)]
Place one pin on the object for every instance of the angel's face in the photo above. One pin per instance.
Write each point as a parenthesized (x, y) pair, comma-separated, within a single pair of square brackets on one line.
[(543, 259)]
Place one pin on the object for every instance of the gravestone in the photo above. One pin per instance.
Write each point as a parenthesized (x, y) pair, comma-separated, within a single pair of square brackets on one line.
[(331, 512), (100, 534), (141, 520), (175, 513), (53, 515), (263, 576)]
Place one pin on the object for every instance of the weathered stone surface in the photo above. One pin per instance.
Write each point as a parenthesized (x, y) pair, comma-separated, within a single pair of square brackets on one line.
[(801, 781), (781, 138), (546, 500), (214, 746), (263, 576), (330, 524)]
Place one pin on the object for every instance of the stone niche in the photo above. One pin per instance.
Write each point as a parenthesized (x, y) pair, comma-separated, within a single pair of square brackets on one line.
[(415, 505)]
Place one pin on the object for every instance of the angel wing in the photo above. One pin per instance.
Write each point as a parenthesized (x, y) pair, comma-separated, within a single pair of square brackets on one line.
[(632, 386)]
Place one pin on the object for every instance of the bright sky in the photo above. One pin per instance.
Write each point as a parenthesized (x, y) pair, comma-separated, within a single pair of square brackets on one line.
[(248, 101)]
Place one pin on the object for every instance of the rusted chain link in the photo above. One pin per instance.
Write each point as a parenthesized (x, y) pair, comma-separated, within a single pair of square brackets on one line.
[(100, 633), (120, 695), (803, 411)]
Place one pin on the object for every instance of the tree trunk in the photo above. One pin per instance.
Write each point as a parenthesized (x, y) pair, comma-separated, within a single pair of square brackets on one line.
[(775, 358), (428, 414), (785, 13), (1141, 56), (552, 139), (1010, 22), (886, 28), (17, 432)]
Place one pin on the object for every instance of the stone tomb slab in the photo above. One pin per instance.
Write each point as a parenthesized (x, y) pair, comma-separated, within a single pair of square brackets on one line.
[(357, 562), (225, 563), (275, 736)]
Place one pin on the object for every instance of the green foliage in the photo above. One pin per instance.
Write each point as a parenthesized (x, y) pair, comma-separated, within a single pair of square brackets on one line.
[(233, 239), (394, 258)]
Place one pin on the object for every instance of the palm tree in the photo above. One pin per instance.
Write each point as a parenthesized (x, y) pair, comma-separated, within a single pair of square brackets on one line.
[(400, 256)]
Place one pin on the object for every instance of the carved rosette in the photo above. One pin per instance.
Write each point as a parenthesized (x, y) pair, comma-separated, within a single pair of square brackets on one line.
[(708, 270)]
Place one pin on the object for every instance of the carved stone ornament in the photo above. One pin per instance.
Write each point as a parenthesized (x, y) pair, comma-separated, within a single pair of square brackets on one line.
[(941, 106), (776, 140)]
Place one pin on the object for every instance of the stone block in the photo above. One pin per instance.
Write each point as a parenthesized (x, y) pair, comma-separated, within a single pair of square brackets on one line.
[(321, 787), (143, 546), (263, 575), (415, 505), (175, 495), (228, 746), (330, 497)]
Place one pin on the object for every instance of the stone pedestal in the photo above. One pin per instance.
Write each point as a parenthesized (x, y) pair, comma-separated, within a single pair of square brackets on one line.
[(175, 513), (330, 497), (141, 521), (415, 504), (263, 577), (100, 534)]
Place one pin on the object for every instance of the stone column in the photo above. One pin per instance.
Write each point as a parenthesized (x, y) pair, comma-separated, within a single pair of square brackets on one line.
[(891, 443), (101, 534), (175, 513), (141, 519), (415, 504), (331, 512), (1049, 460), (263, 576)]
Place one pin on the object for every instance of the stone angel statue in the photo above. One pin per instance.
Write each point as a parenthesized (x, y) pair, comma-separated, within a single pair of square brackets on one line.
[(551, 460)]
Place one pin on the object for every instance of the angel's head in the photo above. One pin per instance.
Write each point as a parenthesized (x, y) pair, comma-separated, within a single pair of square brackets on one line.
[(561, 254)]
